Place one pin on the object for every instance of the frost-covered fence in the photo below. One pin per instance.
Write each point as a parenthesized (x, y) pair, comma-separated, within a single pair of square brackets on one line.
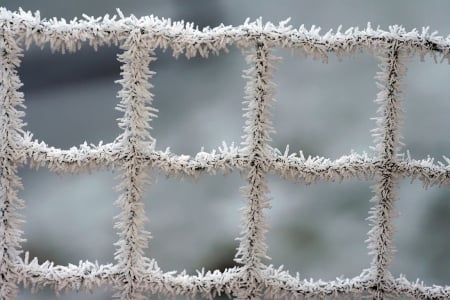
[(135, 276)]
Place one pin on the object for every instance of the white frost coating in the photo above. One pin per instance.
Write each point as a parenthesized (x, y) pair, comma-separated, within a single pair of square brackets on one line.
[(133, 153), (387, 141), (135, 104), (10, 156), (258, 127)]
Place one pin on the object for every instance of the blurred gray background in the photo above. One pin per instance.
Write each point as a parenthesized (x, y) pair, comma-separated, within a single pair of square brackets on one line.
[(322, 109)]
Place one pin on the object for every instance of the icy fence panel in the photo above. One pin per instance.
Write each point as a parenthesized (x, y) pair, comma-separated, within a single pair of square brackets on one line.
[(133, 154)]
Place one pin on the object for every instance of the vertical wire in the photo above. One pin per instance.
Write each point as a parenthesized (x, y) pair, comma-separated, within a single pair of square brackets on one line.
[(387, 140), (258, 127), (135, 139), (10, 130)]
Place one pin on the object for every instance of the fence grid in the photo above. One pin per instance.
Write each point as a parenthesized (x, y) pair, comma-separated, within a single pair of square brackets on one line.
[(133, 153)]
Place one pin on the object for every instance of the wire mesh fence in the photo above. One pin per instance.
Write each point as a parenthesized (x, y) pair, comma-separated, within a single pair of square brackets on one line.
[(134, 155)]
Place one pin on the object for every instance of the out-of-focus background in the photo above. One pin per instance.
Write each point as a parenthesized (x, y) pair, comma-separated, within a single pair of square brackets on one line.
[(322, 109)]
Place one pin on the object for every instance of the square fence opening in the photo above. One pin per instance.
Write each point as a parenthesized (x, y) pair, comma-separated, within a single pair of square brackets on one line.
[(199, 101), (311, 92), (71, 97), (81, 205), (426, 106), (421, 223), (319, 230), (194, 224)]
